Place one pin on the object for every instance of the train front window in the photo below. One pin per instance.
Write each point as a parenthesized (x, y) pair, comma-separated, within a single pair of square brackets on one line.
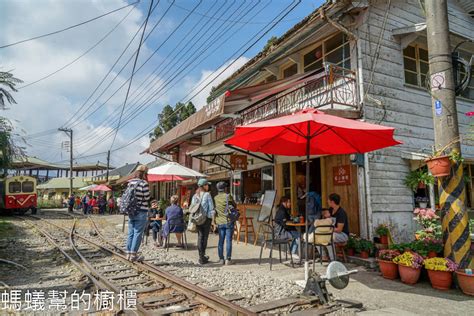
[(14, 187), (28, 186)]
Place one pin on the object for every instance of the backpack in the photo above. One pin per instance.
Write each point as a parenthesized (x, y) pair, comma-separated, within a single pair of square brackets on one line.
[(129, 204), (197, 214), (231, 212)]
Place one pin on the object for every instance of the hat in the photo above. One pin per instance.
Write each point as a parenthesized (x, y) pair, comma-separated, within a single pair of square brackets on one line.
[(221, 186), (202, 182), (142, 168)]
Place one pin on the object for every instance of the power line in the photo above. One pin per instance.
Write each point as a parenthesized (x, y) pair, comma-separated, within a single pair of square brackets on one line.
[(82, 55), (133, 70), (67, 28)]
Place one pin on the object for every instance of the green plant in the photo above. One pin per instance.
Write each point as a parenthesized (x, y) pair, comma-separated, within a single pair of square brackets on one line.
[(382, 230), (364, 245), (471, 225), (415, 177), (352, 242), (455, 156), (433, 244), (420, 247), (400, 247)]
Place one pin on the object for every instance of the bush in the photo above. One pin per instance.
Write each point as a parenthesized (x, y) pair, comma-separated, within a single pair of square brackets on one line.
[(382, 230)]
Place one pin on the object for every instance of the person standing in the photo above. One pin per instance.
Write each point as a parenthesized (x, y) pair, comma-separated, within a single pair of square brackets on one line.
[(203, 197), (85, 204), (226, 227), (111, 204), (70, 203), (102, 203), (137, 221), (314, 206)]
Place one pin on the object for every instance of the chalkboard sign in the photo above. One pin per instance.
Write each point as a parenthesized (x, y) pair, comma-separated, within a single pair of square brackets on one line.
[(267, 205)]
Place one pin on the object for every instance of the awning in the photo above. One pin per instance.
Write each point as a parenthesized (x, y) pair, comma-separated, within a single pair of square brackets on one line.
[(408, 34)]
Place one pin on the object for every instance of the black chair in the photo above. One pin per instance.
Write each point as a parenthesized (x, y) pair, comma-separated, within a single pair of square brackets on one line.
[(323, 230), (184, 235), (271, 240)]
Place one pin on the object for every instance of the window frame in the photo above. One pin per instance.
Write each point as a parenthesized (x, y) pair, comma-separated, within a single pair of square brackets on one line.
[(418, 61)]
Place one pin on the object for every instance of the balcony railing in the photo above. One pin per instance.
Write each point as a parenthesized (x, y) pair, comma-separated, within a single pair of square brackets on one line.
[(333, 89)]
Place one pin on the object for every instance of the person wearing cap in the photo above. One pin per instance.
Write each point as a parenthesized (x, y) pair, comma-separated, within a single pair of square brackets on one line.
[(203, 196), (137, 223), (226, 228)]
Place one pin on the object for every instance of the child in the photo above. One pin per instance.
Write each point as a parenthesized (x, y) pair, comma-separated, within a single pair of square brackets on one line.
[(155, 226)]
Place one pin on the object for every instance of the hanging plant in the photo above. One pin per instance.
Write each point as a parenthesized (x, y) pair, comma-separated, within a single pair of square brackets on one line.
[(415, 177)]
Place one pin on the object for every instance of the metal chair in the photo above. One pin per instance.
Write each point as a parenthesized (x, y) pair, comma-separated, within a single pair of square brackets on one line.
[(185, 241), (323, 231), (269, 230)]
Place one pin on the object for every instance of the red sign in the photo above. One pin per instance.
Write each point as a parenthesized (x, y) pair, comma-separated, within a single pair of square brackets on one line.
[(341, 175)]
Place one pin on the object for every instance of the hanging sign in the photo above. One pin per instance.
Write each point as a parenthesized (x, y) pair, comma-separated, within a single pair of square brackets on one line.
[(341, 175), (438, 81), (238, 162)]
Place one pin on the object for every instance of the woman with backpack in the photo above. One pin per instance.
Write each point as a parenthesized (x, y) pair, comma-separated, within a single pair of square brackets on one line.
[(135, 202), (225, 223), (203, 198)]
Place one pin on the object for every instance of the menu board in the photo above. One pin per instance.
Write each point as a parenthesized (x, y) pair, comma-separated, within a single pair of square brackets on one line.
[(267, 205)]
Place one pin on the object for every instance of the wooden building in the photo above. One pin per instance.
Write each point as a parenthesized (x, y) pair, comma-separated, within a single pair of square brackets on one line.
[(355, 59)]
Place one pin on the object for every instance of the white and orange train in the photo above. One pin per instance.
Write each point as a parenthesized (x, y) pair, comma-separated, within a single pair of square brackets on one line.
[(18, 195)]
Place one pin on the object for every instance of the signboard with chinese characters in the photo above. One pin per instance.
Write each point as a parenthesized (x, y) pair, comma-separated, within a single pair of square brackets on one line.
[(341, 175), (238, 162)]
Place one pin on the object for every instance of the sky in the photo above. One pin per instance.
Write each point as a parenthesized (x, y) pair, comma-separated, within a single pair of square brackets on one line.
[(188, 43)]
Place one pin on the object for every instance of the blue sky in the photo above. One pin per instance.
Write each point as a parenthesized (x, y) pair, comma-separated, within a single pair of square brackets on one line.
[(191, 46)]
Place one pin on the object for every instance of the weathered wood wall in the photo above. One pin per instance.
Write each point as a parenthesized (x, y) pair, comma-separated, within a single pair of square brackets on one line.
[(406, 108)]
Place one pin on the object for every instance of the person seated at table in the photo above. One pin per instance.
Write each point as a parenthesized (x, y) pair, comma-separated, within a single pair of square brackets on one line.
[(320, 226), (283, 231), (174, 221), (155, 225), (341, 225)]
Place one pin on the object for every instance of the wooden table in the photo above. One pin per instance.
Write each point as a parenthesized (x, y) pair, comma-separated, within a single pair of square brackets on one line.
[(299, 227), (156, 218)]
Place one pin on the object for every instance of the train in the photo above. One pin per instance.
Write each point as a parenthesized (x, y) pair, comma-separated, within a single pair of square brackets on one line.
[(18, 195)]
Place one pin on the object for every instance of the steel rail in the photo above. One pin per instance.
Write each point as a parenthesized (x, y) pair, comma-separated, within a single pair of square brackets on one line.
[(205, 297)]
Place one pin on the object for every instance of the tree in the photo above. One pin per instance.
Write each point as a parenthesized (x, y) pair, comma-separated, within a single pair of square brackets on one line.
[(211, 96), (187, 110), (7, 81), (8, 148), (169, 118)]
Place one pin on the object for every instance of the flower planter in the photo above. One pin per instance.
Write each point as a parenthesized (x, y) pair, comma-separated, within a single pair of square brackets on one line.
[(440, 280), (439, 166), (364, 255), (466, 282), (409, 275), (350, 252), (389, 269), (432, 254), (421, 185), (384, 240), (423, 204)]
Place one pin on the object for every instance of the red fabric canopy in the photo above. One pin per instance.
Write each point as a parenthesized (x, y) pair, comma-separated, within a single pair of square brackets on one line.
[(329, 135), (101, 187), (161, 178)]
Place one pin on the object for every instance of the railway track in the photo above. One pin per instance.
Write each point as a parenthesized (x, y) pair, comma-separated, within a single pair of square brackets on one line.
[(157, 291)]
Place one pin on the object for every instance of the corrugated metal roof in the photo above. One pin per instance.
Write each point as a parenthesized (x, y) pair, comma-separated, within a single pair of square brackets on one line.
[(62, 183)]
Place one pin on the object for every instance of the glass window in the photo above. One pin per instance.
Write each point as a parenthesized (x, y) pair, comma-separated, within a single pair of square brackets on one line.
[(236, 187), (334, 42), (336, 51), (28, 186), (286, 179), (415, 62), (267, 178), (14, 187), (290, 71)]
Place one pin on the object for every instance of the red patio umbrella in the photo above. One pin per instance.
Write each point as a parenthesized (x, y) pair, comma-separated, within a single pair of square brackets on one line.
[(161, 178), (101, 187), (312, 132)]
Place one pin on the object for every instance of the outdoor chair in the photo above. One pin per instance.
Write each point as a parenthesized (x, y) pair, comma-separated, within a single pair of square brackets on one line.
[(323, 238), (185, 241), (273, 240)]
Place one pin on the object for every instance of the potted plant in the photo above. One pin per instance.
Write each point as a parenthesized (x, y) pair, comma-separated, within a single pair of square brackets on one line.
[(422, 201), (352, 244), (429, 222), (466, 281), (440, 163), (440, 272), (418, 179), (364, 247), (388, 268), (382, 231), (409, 267), (433, 246)]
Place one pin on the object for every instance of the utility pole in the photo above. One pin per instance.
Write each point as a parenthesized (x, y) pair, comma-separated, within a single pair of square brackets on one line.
[(68, 131), (108, 164), (455, 225)]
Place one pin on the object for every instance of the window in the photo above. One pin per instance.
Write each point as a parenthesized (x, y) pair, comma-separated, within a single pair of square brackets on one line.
[(286, 180), (415, 61), (335, 50), (267, 178), (28, 186), (290, 71), (14, 187), (469, 91)]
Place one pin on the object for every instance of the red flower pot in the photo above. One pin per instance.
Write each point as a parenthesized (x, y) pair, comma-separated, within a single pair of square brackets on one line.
[(389, 269), (439, 166), (466, 282), (432, 254), (364, 254), (384, 240), (409, 275), (440, 280), (350, 252)]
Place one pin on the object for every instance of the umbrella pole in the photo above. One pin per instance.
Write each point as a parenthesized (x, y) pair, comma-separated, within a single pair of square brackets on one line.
[(306, 264)]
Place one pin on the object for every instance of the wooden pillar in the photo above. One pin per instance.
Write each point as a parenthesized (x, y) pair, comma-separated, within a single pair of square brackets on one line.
[(294, 192), (47, 174)]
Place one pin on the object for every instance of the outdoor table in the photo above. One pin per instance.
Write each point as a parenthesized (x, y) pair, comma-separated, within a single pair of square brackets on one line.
[(299, 227)]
